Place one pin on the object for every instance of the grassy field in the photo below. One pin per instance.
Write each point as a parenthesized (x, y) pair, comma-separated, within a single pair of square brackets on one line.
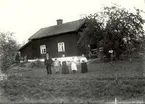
[(103, 82)]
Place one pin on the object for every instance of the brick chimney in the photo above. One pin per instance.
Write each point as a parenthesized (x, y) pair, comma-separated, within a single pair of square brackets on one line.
[(59, 21)]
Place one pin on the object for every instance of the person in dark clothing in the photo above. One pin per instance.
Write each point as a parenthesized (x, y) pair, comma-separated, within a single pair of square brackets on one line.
[(48, 63), (65, 69), (84, 68)]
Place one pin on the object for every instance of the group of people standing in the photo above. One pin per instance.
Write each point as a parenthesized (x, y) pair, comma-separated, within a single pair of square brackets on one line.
[(56, 64)]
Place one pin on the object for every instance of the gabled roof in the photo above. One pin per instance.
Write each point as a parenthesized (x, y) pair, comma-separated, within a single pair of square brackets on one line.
[(58, 29), (24, 45)]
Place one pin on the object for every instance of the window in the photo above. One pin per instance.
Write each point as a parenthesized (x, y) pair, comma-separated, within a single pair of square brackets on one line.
[(61, 47), (43, 49)]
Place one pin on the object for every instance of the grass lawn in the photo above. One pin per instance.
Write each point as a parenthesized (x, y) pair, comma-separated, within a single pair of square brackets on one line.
[(103, 82)]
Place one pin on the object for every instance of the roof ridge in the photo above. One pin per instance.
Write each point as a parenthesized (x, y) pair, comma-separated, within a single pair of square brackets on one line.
[(58, 29), (63, 23)]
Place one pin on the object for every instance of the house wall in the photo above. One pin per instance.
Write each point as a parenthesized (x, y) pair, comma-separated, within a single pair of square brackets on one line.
[(27, 51), (51, 43), (32, 50)]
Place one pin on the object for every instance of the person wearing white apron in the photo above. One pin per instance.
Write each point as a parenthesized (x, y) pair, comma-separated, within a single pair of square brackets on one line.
[(73, 66)]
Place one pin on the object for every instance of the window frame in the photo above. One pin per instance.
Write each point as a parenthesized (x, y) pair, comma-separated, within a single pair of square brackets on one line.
[(42, 49), (61, 46)]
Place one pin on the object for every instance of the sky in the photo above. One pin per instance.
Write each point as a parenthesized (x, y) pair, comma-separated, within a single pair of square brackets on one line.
[(26, 17)]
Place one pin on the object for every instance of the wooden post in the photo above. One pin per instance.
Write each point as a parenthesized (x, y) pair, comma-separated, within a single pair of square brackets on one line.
[(115, 100)]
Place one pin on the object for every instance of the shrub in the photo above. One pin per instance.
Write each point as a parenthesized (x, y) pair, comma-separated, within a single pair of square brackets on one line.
[(35, 64)]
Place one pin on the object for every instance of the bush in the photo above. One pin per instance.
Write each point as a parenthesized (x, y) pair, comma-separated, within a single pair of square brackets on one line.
[(35, 64)]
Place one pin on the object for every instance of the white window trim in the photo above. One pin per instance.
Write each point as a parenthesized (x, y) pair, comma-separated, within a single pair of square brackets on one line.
[(61, 47), (42, 49)]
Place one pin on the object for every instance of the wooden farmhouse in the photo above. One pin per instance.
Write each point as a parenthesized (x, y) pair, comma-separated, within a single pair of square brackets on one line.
[(58, 40)]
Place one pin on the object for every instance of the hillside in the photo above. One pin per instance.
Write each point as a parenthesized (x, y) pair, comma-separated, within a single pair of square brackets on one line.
[(103, 82)]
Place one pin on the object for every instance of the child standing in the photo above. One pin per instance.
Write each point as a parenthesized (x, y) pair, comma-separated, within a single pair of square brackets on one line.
[(73, 65), (56, 66)]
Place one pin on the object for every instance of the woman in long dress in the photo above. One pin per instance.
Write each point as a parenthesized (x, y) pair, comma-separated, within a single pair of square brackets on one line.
[(65, 69)]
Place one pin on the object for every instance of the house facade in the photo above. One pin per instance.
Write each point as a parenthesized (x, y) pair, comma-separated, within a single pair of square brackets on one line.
[(59, 40)]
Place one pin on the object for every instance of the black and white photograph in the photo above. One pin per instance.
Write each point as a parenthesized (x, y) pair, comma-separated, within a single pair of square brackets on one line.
[(72, 51)]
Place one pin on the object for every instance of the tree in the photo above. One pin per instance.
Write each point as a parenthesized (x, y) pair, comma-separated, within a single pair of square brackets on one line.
[(90, 32), (114, 29), (8, 49)]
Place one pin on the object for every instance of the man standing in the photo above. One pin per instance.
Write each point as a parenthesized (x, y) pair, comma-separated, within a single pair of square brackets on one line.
[(48, 63)]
